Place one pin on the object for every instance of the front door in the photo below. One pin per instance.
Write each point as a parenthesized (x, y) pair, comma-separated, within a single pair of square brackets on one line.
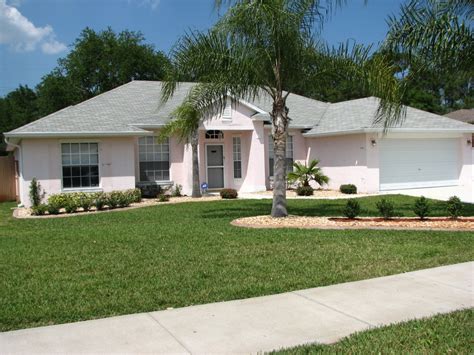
[(215, 166)]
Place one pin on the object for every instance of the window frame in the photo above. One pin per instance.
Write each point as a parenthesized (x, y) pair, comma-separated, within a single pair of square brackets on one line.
[(99, 165), (139, 161), (219, 135), (240, 157)]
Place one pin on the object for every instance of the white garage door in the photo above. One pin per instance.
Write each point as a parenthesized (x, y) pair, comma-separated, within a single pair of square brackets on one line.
[(414, 163)]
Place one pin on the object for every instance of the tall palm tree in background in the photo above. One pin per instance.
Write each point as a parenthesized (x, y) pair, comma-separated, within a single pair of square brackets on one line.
[(266, 48)]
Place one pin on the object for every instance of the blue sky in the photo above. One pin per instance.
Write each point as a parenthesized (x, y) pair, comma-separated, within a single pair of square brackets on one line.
[(35, 33)]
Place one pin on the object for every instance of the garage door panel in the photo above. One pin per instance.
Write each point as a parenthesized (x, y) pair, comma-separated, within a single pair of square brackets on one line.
[(414, 163)]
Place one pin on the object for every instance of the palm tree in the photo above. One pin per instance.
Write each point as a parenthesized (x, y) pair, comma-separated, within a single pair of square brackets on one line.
[(307, 173), (265, 48), (185, 125), (438, 31)]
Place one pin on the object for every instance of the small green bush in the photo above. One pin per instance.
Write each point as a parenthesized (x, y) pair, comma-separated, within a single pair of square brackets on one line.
[(135, 195), (304, 190), (454, 207), (84, 200), (352, 209), (71, 205), (163, 198), (386, 209), (53, 208), (177, 190), (349, 189), (99, 200), (421, 207), (36, 193), (113, 199), (39, 210), (229, 193), (124, 198)]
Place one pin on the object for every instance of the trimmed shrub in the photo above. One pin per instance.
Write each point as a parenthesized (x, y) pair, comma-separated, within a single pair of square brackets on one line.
[(135, 195), (84, 200), (36, 193), (229, 193), (39, 210), (177, 190), (99, 200), (124, 198), (304, 190), (386, 209), (71, 204), (454, 207), (352, 209), (163, 198), (422, 207), (150, 190), (56, 202), (349, 189), (113, 199)]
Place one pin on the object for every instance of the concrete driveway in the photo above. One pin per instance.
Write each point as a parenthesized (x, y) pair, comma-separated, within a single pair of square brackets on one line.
[(323, 314)]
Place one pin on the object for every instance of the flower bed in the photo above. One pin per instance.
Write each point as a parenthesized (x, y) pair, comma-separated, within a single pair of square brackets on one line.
[(462, 223)]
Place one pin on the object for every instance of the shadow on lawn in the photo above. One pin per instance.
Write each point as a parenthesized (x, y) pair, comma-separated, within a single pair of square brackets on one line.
[(329, 208)]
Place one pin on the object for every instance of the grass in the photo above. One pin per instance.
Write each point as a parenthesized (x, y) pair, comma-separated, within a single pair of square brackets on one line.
[(92, 266), (442, 334)]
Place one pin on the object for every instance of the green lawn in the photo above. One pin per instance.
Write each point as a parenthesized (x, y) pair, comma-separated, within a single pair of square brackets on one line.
[(450, 333), (69, 269)]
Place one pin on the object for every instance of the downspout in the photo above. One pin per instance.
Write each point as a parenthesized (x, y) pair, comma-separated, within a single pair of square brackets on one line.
[(20, 157)]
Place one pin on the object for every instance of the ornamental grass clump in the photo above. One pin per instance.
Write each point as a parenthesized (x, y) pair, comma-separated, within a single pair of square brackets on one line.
[(421, 207), (386, 209), (352, 209), (454, 207)]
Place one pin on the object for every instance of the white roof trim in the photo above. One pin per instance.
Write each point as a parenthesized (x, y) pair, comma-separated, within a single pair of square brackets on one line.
[(391, 130), (75, 134)]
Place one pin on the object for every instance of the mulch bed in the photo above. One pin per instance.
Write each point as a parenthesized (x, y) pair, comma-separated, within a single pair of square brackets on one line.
[(435, 223)]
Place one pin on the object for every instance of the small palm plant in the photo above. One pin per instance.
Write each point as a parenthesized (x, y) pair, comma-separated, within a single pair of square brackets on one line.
[(304, 174)]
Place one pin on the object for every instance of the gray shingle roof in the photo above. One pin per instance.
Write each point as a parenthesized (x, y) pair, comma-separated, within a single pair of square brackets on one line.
[(463, 115), (133, 107), (359, 116)]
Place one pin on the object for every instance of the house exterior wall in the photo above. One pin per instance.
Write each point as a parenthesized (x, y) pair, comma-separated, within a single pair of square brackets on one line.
[(347, 159), (42, 159)]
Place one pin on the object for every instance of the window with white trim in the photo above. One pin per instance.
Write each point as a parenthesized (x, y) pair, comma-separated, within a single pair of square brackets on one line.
[(237, 155), (214, 134), (154, 159), (80, 164), (288, 154)]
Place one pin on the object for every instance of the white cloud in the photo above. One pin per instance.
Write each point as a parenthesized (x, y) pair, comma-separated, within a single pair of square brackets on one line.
[(53, 47), (153, 4), (22, 35)]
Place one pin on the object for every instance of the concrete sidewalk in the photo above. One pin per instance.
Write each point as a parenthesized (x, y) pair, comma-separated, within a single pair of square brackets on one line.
[(323, 314)]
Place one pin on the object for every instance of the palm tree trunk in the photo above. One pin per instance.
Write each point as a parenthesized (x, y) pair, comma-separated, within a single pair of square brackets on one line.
[(196, 192), (279, 133)]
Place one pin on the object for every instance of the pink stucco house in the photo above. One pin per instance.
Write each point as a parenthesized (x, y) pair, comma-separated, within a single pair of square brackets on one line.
[(106, 143)]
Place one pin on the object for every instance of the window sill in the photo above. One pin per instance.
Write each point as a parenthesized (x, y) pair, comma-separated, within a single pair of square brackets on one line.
[(158, 182), (82, 189)]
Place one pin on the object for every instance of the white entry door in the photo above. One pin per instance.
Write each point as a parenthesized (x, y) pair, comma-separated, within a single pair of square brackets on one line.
[(215, 166), (418, 163)]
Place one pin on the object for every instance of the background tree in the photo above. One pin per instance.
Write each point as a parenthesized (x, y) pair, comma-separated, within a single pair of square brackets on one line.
[(17, 108), (434, 40), (97, 62), (263, 48)]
